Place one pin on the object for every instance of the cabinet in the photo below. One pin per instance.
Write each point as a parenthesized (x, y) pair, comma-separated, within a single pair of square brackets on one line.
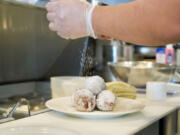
[(168, 125)]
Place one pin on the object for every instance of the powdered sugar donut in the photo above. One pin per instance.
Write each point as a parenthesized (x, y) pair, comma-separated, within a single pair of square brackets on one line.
[(73, 97), (83, 100), (95, 84), (105, 100)]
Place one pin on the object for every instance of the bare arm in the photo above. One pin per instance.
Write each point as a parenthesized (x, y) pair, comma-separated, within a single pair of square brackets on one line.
[(147, 22)]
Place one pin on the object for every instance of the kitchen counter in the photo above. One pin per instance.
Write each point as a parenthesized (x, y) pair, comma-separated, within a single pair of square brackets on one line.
[(125, 125)]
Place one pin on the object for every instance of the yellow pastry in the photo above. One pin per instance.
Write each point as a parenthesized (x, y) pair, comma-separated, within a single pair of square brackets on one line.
[(121, 89)]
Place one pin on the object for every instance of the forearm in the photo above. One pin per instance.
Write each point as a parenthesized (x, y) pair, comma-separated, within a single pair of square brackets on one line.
[(147, 22)]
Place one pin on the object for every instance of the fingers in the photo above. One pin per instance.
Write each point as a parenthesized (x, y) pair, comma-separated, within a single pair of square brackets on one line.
[(52, 27), (51, 6), (51, 16), (67, 18)]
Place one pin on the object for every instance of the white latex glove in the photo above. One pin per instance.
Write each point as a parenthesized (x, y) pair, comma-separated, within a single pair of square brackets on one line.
[(71, 19)]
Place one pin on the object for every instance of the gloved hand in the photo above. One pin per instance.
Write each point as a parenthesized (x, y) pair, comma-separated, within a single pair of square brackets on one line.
[(71, 19)]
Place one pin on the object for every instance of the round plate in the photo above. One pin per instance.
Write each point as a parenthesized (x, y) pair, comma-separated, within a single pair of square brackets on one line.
[(123, 106), (36, 131)]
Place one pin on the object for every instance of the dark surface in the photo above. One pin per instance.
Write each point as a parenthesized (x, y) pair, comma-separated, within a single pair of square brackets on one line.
[(29, 51)]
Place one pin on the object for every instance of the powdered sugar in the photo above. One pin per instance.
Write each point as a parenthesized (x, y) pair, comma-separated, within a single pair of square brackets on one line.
[(105, 100), (95, 84), (83, 100)]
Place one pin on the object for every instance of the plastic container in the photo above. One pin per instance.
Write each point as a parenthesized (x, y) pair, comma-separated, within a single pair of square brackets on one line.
[(65, 85), (156, 91), (165, 55), (160, 55), (169, 55)]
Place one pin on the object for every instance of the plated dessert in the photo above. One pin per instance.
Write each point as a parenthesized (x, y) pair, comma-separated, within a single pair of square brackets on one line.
[(100, 95), (93, 94), (96, 99)]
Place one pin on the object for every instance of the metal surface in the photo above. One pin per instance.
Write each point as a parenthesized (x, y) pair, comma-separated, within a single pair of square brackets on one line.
[(152, 129), (128, 52), (138, 52), (178, 122), (29, 50), (27, 3), (168, 124), (107, 51), (13, 109), (112, 52), (138, 73), (30, 103), (146, 52)]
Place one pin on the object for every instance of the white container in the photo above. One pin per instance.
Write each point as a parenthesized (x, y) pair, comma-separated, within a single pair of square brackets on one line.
[(178, 57), (65, 85), (156, 91), (161, 55)]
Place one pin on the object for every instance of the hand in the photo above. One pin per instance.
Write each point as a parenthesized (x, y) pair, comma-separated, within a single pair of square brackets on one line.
[(70, 18)]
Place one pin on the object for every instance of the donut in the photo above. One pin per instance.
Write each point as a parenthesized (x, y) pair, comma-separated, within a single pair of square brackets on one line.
[(95, 84), (83, 100), (105, 100)]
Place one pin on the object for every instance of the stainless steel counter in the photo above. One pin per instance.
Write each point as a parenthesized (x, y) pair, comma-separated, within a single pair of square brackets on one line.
[(23, 100)]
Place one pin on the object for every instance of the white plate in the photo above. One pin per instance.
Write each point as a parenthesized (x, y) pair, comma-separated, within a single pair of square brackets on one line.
[(35, 131), (123, 106)]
